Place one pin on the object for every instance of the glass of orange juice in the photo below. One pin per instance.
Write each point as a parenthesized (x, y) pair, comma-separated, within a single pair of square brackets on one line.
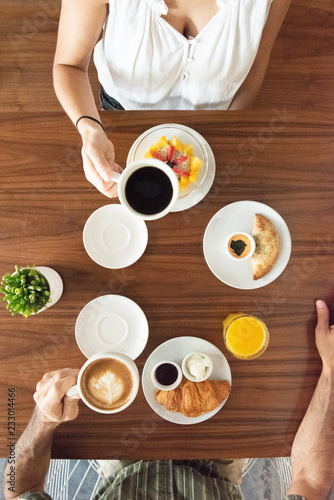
[(245, 336)]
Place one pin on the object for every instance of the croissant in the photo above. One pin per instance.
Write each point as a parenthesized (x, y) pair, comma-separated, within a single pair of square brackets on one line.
[(192, 399)]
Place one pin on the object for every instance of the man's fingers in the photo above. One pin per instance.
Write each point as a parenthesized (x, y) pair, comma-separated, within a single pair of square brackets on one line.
[(60, 387), (56, 388), (71, 408), (323, 318), (50, 377)]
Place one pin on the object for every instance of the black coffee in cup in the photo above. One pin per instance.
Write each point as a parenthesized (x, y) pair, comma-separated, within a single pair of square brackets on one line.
[(148, 190)]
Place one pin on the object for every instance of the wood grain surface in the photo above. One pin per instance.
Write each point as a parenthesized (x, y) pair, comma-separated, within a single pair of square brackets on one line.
[(278, 157)]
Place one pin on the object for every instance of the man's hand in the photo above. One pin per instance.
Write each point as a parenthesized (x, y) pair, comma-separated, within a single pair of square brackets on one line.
[(50, 396), (33, 449), (98, 156), (324, 337)]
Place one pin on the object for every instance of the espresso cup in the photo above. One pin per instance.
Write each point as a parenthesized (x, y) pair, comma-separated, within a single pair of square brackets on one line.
[(107, 382), (147, 188)]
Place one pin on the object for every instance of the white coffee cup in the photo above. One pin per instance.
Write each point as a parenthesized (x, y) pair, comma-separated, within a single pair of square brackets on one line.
[(78, 389), (123, 178)]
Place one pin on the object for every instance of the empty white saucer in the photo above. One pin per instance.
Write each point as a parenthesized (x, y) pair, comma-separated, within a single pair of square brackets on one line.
[(111, 323), (114, 238)]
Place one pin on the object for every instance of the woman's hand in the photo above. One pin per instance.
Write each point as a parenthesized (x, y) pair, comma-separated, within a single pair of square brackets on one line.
[(98, 158)]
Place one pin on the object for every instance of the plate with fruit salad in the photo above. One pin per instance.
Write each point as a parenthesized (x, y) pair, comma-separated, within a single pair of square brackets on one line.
[(186, 152)]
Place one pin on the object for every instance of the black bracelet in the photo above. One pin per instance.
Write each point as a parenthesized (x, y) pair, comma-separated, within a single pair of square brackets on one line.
[(89, 118)]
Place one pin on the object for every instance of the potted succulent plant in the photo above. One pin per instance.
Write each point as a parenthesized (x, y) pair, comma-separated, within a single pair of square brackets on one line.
[(30, 290)]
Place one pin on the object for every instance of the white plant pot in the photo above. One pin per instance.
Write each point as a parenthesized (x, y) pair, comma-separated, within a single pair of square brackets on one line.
[(55, 284)]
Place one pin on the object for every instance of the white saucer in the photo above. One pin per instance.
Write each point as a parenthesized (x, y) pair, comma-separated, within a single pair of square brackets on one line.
[(239, 216), (114, 238), (111, 323), (175, 350), (153, 134)]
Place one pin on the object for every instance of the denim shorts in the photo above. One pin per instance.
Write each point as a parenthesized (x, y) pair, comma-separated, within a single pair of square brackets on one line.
[(107, 102)]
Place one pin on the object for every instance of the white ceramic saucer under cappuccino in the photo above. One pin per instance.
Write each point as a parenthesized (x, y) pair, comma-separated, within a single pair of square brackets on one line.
[(76, 389)]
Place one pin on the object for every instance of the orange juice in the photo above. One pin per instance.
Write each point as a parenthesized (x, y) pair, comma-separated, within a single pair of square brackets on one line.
[(245, 336)]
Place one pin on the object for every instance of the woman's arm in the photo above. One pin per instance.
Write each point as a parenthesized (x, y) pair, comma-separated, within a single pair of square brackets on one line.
[(246, 94), (80, 25)]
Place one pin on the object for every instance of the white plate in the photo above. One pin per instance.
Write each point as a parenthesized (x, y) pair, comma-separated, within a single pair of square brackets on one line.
[(175, 350), (239, 216), (114, 238), (202, 148), (111, 323)]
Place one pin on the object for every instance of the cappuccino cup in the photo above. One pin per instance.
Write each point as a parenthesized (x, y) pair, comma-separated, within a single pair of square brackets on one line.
[(107, 382), (147, 188)]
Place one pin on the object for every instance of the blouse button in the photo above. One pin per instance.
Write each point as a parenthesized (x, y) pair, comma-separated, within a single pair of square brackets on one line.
[(186, 75)]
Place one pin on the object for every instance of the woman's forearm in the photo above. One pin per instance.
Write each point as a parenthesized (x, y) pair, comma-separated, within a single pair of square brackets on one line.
[(32, 458), (243, 99), (246, 94), (74, 91)]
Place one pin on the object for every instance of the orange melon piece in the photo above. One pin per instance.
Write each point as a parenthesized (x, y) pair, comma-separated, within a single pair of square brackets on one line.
[(155, 147), (188, 149), (184, 182), (195, 164), (176, 143), (193, 176), (162, 142)]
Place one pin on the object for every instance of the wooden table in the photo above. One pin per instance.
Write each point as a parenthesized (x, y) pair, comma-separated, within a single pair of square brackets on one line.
[(276, 157)]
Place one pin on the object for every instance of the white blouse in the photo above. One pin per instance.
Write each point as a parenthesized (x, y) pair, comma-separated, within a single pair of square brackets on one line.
[(144, 63)]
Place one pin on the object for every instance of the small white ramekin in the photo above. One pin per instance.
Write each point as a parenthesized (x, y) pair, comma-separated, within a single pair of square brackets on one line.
[(252, 250), (166, 387), (188, 375)]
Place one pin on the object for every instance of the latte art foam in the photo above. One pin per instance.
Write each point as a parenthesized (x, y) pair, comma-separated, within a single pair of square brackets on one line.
[(108, 388), (107, 384)]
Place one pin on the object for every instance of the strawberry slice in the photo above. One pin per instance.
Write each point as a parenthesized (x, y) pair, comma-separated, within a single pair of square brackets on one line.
[(177, 161), (180, 172), (157, 156), (170, 151)]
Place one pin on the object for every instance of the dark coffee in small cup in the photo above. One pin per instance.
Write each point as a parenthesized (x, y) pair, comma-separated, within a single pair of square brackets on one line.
[(148, 190)]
